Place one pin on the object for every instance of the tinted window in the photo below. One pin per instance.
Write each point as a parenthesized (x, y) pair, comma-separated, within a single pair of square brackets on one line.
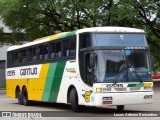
[(9, 59), (52, 50), (15, 58), (43, 52), (85, 40), (58, 50), (69, 47), (119, 39), (22, 56), (40, 53), (32, 54), (29, 54), (65, 48), (72, 50)]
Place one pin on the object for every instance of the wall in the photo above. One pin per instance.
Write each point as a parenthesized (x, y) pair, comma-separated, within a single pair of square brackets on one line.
[(2, 73)]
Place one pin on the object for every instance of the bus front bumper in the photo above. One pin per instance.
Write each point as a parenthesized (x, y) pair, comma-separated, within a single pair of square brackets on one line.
[(108, 99)]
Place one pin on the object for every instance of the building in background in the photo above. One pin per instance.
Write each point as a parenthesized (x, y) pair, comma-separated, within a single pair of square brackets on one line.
[(3, 57), (3, 53)]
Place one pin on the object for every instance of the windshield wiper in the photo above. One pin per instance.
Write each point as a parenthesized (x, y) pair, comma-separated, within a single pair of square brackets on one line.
[(135, 72), (117, 77)]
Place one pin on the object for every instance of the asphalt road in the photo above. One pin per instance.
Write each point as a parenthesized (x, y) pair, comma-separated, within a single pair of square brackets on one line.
[(62, 111)]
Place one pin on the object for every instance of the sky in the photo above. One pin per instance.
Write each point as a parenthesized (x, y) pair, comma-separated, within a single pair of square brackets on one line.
[(5, 28)]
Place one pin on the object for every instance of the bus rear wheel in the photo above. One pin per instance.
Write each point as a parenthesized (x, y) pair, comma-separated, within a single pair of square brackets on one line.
[(26, 102), (19, 96), (120, 107), (74, 101)]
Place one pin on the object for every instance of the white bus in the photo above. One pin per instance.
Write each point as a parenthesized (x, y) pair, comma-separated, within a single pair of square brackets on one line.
[(99, 66)]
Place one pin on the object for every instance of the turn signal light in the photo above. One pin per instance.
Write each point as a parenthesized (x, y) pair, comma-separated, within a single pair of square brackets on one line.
[(98, 90)]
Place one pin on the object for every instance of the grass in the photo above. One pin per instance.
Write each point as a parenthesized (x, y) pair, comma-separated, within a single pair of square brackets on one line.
[(2, 87)]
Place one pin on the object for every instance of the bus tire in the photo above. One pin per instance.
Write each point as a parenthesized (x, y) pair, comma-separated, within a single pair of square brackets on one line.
[(26, 102), (19, 96), (74, 101), (120, 107)]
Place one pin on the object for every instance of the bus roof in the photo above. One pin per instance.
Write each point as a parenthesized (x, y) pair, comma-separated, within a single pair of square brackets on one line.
[(111, 29), (44, 39), (67, 34)]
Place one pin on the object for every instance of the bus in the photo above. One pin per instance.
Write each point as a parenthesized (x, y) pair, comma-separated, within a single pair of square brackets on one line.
[(98, 66)]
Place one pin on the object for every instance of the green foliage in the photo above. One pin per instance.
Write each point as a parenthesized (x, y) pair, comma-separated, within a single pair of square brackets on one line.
[(31, 19), (2, 86)]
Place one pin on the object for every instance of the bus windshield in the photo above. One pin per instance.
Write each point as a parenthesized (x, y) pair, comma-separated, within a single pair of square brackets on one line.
[(122, 66)]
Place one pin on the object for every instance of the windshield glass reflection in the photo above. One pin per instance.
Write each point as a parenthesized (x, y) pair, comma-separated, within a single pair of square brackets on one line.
[(115, 65)]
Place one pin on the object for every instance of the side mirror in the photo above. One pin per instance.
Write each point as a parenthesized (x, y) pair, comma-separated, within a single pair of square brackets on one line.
[(92, 58)]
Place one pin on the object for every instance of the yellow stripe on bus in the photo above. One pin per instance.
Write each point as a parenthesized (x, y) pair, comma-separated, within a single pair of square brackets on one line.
[(147, 84), (37, 84), (12, 84), (54, 37), (51, 37)]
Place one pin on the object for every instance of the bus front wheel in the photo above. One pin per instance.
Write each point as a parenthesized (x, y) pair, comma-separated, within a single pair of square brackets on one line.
[(26, 102), (120, 107), (74, 101)]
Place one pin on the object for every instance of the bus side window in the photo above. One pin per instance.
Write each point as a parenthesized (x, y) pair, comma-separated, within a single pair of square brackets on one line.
[(40, 53), (20, 58), (72, 50), (65, 48), (24, 54), (29, 54), (15, 58), (34, 54), (85, 40), (58, 50), (52, 50), (9, 59), (45, 52)]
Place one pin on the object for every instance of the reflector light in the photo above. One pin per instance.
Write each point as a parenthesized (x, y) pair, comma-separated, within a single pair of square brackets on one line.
[(107, 102)]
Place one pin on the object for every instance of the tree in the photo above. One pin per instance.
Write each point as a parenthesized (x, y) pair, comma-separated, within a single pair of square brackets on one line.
[(44, 17), (143, 14)]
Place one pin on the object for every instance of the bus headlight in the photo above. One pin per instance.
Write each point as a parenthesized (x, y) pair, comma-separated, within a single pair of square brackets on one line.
[(98, 90), (106, 89)]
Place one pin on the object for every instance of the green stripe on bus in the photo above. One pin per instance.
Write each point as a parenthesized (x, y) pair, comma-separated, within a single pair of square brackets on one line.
[(67, 34), (71, 33), (56, 81), (49, 81), (131, 85), (140, 85), (136, 85)]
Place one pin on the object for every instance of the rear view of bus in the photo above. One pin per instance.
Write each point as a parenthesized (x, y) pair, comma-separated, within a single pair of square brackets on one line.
[(114, 63)]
